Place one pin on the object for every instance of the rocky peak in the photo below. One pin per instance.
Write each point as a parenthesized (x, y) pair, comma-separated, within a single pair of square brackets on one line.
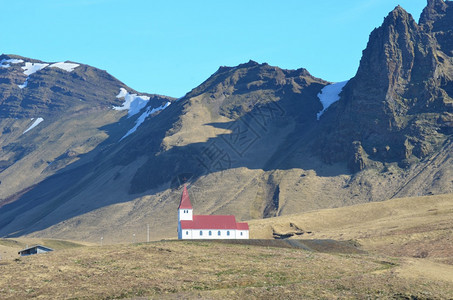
[(387, 65), (252, 76), (394, 105), (437, 18), (398, 13), (434, 11), (398, 21), (391, 47), (250, 63)]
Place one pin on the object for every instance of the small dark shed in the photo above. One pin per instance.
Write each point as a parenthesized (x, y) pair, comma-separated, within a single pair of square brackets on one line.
[(34, 250)]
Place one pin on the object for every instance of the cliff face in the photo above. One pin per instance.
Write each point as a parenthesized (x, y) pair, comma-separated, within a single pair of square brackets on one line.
[(437, 19), (399, 105)]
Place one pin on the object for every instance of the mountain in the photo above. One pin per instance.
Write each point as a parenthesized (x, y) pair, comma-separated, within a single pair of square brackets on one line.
[(237, 118), (399, 106), (53, 114), (243, 113), (253, 140)]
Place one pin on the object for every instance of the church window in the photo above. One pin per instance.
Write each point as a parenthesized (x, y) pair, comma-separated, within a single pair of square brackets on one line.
[(187, 233), (201, 232), (241, 233), (210, 232), (218, 233), (228, 232)]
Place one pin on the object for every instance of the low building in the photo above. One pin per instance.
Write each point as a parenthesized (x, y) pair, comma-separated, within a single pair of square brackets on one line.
[(207, 226), (36, 249)]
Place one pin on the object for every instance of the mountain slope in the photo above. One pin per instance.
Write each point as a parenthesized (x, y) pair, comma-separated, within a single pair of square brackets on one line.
[(252, 102), (137, 181), (230, 121), (52, 114), (253, 140), (406, 227)]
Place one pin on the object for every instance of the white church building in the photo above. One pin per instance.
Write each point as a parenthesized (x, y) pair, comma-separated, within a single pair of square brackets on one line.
[(192, 226)]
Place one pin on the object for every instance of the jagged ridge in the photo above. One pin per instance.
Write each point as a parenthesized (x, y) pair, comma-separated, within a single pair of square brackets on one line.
[(399, 106)]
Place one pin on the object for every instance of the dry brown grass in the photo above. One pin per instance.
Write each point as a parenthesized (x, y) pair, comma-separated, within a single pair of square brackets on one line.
[(208, 270), (419, 229), (408, 244), (376, 225), (10, 247)]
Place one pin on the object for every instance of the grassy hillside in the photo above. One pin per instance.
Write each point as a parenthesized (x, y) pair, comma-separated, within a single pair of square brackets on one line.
[(407, 247), (420, 227), (192, 270), (10, 247)]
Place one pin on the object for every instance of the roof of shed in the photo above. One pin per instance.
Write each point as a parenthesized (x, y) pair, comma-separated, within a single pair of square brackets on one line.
[(36, 246)]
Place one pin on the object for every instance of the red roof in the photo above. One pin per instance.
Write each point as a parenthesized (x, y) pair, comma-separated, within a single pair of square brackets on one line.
[(242, 226), (210, 222), (185, 200)]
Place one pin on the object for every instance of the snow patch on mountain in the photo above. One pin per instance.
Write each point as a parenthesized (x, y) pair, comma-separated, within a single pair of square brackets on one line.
[(21, 86), (123, 92), (330, 94), (132, 102), (31, 68), (69, 67), (5, 63), (143, 116), (35, 123)]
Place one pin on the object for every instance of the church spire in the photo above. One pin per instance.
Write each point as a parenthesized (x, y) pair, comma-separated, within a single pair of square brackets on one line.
[(185, 200)]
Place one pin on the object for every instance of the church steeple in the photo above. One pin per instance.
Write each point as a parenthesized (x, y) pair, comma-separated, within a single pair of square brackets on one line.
[(185, 211), (185, 200)]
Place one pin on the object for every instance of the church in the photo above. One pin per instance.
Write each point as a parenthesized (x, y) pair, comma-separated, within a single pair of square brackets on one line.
[(192, 226)]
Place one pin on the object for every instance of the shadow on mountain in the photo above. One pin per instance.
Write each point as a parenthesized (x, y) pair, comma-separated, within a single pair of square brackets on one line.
[(64, 185), (268, 137), (271, 136), (275, 122)]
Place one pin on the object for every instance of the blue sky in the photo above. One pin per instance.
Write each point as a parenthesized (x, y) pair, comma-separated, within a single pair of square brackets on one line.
[(169, 47)]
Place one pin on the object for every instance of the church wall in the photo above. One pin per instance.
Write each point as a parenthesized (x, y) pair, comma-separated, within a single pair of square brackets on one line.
[(245, 234), (195, 234), (185, 214)]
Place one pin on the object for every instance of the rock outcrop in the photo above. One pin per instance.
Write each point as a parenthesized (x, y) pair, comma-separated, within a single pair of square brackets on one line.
[(399, 106)]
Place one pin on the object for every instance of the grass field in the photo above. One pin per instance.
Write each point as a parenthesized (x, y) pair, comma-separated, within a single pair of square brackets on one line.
[(418, 227), (10, 247), (209, 270), (406, 243)]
